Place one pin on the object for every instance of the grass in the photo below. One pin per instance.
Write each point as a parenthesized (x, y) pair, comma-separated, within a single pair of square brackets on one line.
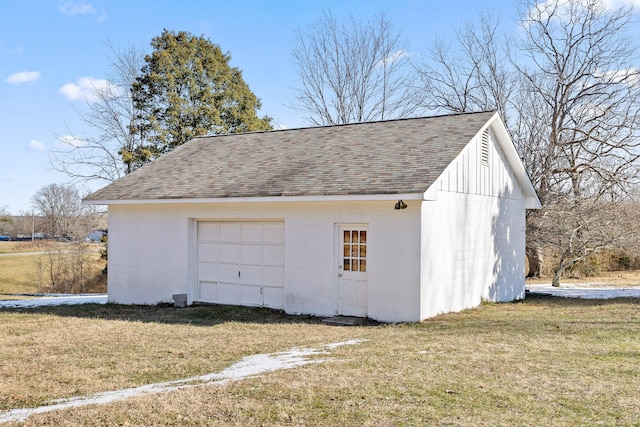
[(547, 361)]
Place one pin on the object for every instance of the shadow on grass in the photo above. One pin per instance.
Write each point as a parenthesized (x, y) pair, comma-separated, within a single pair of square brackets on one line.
[(197, 315), (540, 298)]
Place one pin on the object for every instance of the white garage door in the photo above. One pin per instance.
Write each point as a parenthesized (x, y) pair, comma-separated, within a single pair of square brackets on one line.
[(241, 263)]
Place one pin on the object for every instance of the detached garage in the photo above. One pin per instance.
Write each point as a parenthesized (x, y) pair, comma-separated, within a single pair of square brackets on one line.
[(395, 220)]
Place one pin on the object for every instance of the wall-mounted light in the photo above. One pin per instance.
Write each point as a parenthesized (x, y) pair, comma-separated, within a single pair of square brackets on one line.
[(400, 205)]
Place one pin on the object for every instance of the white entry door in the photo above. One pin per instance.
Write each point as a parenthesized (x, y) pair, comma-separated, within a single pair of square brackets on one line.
[(241, 263), (352, 270)]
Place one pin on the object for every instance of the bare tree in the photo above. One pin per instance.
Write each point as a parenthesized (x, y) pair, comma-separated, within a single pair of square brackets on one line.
[(584, 82), (585, 76), (570, 96), (5, 220), (471, 75), (352, 72), (62, 207), (578, 231), (111, 114)]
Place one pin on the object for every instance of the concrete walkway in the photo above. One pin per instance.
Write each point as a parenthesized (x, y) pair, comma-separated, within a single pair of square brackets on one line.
[(577, 291), (56, 300)]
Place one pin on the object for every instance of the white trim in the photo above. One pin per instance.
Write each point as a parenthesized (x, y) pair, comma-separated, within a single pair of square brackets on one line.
[(366, 197), (513, 158)]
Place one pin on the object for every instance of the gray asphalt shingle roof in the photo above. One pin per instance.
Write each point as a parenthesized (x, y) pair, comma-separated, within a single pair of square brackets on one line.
[(386, 157)]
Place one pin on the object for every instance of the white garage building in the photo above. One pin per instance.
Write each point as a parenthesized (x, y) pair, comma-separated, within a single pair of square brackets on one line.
[(395, 220)]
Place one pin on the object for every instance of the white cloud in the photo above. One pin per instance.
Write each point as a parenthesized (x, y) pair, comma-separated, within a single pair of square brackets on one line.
[(395, 56), (17, 51), (72, 8), (86, 89), (75, 8), (540, 8), (613, 4), (630, 75), (37, 145), (70, 141), (23, 77)]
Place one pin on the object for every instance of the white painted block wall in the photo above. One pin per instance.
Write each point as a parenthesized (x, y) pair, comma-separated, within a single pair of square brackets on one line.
[(472, 251), (473, 234), (152, 255)]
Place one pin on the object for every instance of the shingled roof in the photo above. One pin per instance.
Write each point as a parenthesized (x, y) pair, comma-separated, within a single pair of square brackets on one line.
[(386, 157)]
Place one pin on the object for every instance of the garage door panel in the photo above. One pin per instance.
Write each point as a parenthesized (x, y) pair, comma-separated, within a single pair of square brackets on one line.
[(208, 272), (273, 297), (228, 293), (251, 254), (252, 233), (230, 232), (228, 273), (274, 233), (273, 255), (209, 252), (250, 295), (209, 231), (273, 276), (251, 274), (208, 291), (229, 253)]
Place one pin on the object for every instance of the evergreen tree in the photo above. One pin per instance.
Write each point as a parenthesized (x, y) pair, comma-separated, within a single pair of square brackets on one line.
[(187, 88)]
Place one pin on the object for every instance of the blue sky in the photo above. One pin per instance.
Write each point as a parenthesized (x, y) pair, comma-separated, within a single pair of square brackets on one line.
[(51, 51)]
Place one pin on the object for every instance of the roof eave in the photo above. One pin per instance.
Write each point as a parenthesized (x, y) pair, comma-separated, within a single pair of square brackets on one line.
[(273, 199)]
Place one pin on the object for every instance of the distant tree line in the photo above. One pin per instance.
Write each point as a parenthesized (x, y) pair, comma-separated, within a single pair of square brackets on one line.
[(57, 213)]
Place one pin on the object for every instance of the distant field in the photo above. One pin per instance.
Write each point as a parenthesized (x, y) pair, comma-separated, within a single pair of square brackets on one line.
[(544, 362), (35, 246), (20, 274), (624, 278)]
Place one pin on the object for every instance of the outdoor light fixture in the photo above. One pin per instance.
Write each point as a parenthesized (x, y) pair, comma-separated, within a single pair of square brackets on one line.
[(400, 205)]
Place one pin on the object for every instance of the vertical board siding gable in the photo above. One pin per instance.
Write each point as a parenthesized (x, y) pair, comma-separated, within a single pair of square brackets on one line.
[(469, 174)]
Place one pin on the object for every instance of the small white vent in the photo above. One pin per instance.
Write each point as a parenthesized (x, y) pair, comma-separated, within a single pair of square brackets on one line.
[(484, 148)]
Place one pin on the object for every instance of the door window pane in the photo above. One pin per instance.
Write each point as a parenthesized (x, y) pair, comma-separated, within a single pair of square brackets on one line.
[(354, 250)]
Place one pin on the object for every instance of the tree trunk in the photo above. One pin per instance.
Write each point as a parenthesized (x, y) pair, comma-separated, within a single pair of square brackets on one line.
[(534, 256), (556, 277)]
